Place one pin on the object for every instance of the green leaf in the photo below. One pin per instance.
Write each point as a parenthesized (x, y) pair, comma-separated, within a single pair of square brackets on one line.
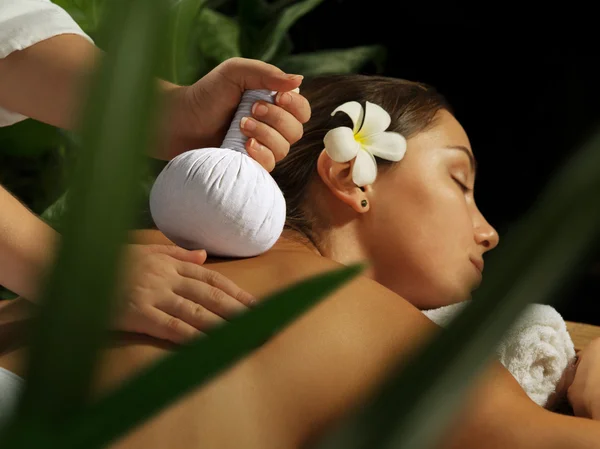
[(80, 12), (349, 60), (6, 294), (54, 215), (285, 50), (217, 37), (195, 364), (70, 328), (67, 5), (538, 258), (277, 6), (181, 24), (277, 31), (93, 10)]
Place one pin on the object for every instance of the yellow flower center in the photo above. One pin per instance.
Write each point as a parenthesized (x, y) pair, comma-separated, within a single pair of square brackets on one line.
[(360, 140)]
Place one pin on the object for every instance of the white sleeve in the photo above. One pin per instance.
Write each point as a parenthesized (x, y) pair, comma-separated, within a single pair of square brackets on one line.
[(24, 23)]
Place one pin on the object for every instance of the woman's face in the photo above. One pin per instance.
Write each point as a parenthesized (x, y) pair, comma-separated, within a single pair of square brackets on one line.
[(423, 233)]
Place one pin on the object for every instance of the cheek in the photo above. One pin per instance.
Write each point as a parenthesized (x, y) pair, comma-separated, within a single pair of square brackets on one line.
[(424, 211), (420, 237)]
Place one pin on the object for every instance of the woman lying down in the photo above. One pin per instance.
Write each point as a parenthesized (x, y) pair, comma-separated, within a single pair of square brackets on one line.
[(412, 214)]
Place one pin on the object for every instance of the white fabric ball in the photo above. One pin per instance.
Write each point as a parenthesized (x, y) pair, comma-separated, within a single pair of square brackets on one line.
[(219, 200)]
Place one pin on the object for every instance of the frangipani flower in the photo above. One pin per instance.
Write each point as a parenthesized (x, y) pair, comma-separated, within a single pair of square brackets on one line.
[(367, 139)]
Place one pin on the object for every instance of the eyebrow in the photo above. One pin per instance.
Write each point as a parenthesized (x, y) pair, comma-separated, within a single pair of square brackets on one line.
[(468, 153)]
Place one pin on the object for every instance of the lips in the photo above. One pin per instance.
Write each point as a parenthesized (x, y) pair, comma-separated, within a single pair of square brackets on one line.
[(478, 264)]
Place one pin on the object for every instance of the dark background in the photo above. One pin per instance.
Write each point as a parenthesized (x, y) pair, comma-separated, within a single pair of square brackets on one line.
[(527, 95)]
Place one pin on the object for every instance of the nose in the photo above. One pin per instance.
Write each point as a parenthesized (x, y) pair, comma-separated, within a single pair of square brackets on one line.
[(485, 234)]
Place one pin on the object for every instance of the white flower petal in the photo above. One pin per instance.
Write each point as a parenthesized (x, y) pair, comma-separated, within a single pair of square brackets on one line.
[(340, 144), (390, 145), (376, 121), (354, 110), (365, 169)]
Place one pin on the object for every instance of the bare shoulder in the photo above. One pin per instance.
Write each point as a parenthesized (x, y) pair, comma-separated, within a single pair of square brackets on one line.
[(272, 271)]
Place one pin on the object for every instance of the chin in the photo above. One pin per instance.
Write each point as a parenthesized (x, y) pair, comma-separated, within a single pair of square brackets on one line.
[(441, 296), (426, 293)]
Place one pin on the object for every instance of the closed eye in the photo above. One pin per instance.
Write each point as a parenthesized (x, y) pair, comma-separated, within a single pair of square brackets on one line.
[(463, 187)]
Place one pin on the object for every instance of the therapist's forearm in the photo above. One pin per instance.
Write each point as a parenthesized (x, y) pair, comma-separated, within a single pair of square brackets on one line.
[(27, 247), (47, 80)]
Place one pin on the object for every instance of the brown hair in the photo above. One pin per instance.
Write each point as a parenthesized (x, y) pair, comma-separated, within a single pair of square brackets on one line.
[(412, 107)]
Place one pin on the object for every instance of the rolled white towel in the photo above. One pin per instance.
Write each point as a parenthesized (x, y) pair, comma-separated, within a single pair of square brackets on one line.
[(536, 349)]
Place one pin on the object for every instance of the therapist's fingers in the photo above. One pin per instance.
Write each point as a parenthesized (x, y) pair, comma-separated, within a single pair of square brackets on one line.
[(217, 280), (261, 154), (190, 312), (209, 297), (295, 104), (166, 326)]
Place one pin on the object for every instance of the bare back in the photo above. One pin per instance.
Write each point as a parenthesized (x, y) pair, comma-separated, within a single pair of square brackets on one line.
[(290, 389)]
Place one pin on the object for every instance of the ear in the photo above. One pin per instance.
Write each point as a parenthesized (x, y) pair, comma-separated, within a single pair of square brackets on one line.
[(337, 176)]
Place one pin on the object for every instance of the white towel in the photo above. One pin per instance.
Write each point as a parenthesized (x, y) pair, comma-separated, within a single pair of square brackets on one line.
[(536, 349)]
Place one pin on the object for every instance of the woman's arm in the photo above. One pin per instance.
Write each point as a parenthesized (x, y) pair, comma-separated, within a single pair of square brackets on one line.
[(334, 356)]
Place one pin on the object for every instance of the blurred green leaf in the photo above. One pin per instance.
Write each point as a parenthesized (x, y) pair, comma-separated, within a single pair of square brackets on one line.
[(71, 6), (195, 364), (54, 215), (183, 16), (276, 32), (285, 49), (325, 62), (218, 37), (97, 11), (277, 6), (93, 10), (70, 328), (6, 294), (87, 13), (536, 261)]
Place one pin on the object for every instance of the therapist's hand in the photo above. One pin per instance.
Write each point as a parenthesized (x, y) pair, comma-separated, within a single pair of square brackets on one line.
[(168, 294), (200, 114)]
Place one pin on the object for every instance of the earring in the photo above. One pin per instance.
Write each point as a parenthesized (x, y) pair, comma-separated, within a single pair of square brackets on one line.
[(363, 203)]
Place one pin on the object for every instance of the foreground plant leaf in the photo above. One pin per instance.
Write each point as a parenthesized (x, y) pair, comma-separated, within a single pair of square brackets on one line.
[(71, 326)]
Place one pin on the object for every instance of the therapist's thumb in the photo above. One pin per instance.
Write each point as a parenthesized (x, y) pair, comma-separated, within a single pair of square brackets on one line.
[(253, 74)]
